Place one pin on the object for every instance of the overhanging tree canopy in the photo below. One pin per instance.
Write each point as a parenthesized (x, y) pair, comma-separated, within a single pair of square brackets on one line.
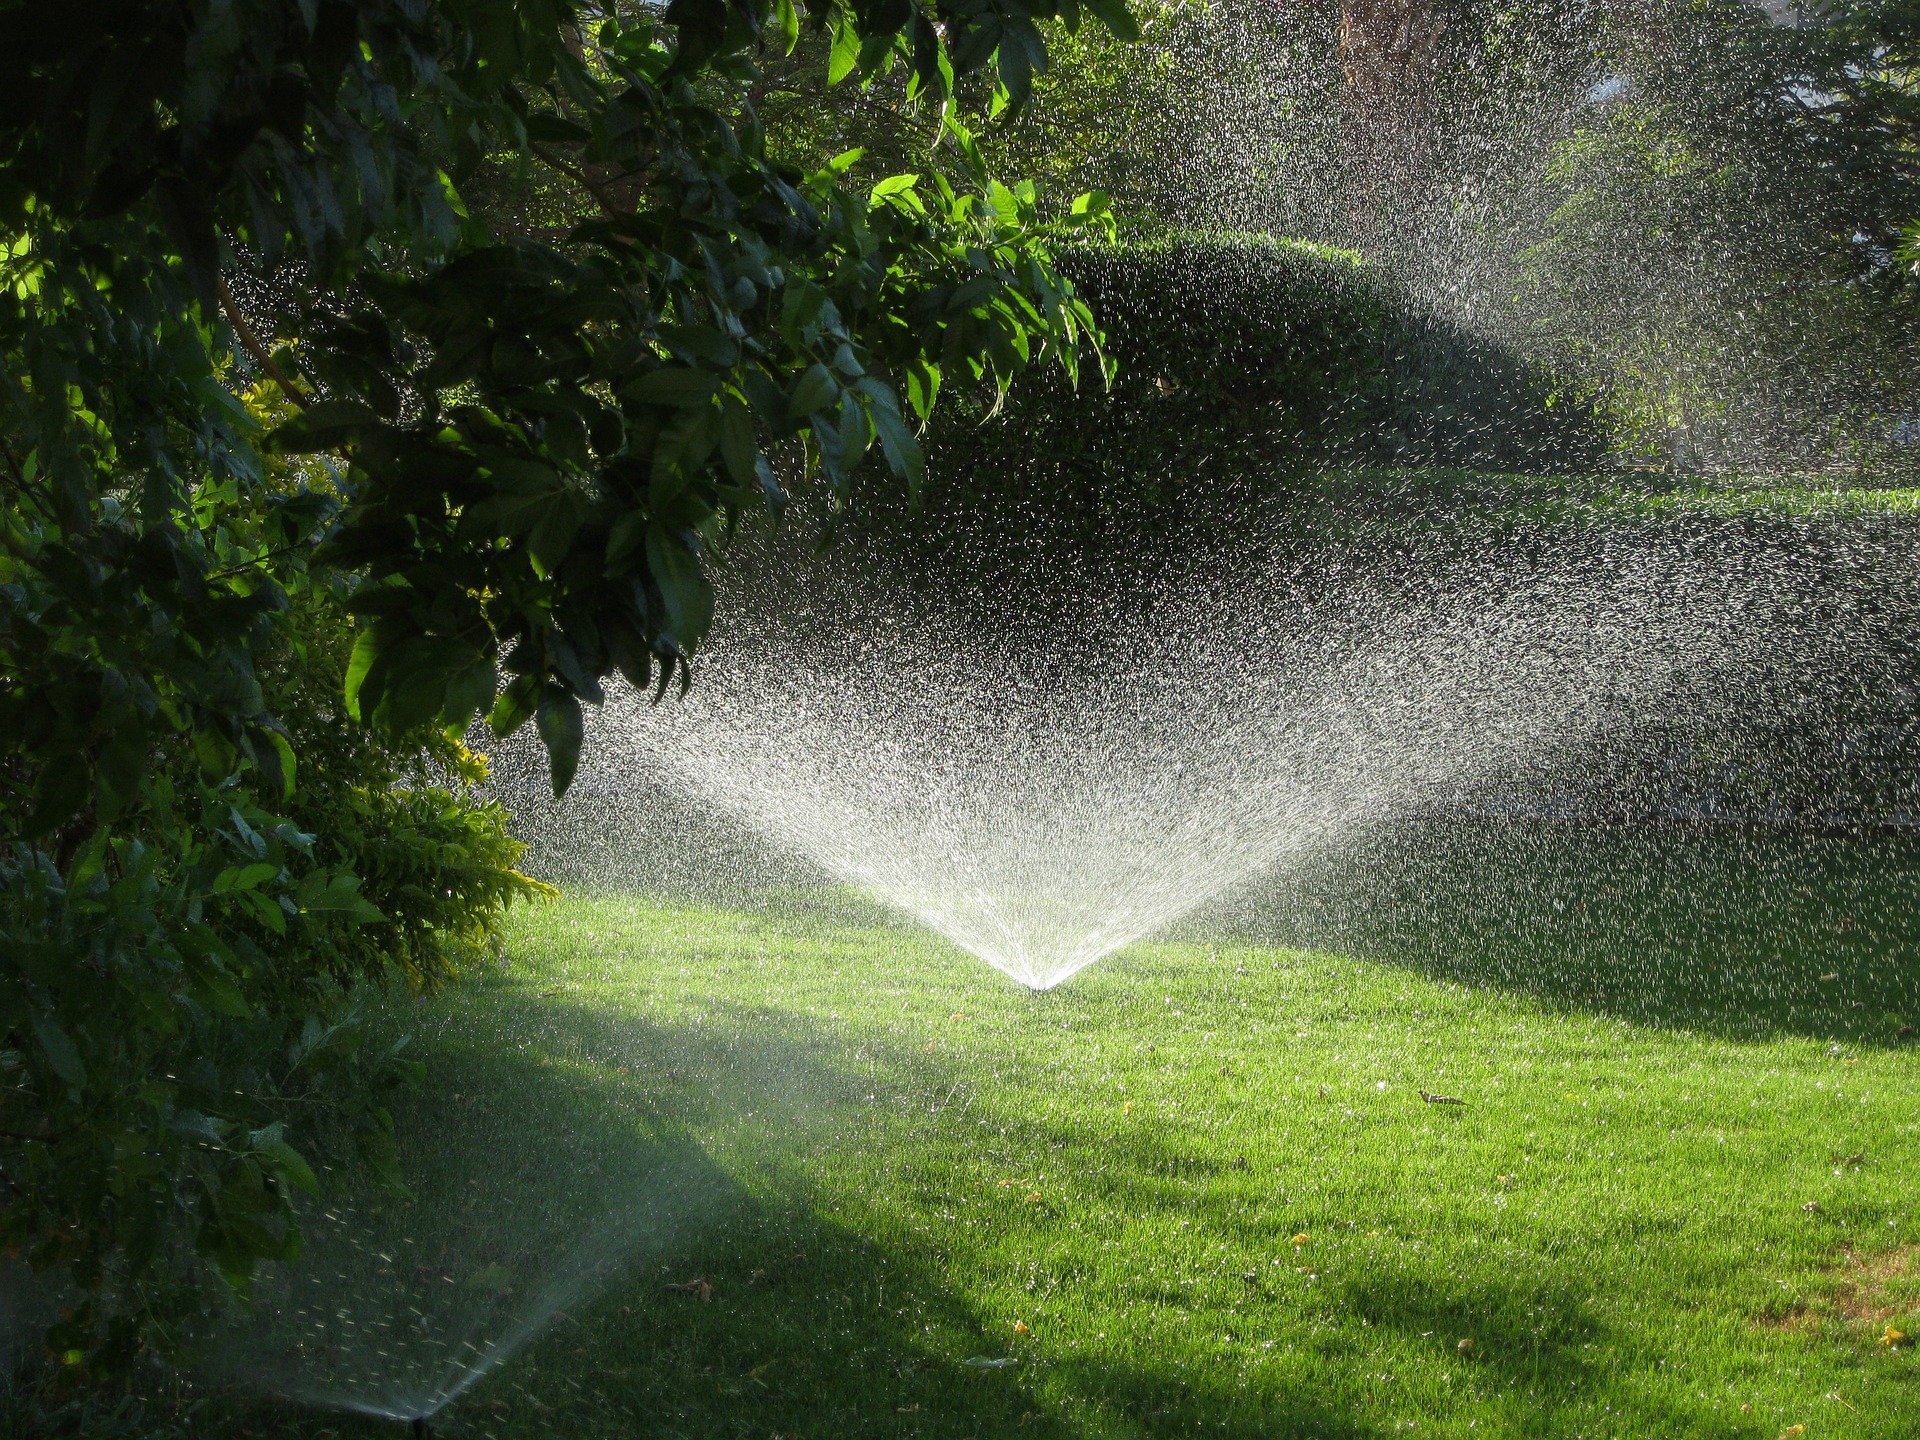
[(540, 432)]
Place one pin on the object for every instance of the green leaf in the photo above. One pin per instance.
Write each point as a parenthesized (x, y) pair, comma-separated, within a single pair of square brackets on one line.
[(562, 729), (377, 1148), (703, 342), (625, 537), (904, 455), (855, 430), (244, 877), (923, 387), (470, 692), (738, 445), (811, 392), (291, 1166), (561, 515), (682, 449), (515, 705), (1004, 204), (61, 1053), (59, 792), (337, 893), (846, 49), (218, 990), (1115, 15), (678, 386), (366, 649), (284, 749), (807, 314), (684, 589), (266, 910), (91, 862), (425, 679)]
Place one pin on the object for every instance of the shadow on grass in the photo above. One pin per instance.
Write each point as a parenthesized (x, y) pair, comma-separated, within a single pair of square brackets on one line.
[(1739, 935), (770, 1310), (629, 1196), (1523, 1332), (757, 1312)]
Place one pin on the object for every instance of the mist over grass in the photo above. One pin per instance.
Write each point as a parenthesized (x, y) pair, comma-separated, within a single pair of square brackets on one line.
[(1197, 1190)]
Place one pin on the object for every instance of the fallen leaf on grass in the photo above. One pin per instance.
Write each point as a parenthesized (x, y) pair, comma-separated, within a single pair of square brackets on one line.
[(1034, 1198), (1791, 1431), (1020, 1328), (1893, 1337), (1814, 1207), (1006, 1184), (698, 1287), (1465, 1347), (1301, 1238)]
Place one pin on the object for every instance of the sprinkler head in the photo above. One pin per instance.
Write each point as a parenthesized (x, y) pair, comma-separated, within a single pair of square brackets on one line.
[(422, 1429)]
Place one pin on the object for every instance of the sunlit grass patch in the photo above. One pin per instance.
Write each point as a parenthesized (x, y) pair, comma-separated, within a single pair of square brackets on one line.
[(1197, 1190)]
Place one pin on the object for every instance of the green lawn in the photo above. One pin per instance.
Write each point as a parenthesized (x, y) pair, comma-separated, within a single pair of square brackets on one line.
[(1196, 1190)]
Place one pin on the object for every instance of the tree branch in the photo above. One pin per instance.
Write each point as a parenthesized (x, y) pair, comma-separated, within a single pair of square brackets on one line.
[(580, 177), (259, 353)]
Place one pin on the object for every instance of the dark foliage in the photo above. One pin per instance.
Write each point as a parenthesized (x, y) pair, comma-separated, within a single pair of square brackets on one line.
[(527, 431), (1243, 363)]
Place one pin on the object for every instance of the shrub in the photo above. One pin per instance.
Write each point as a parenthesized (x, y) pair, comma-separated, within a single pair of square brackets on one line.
[(188, 914), (1242, 362)]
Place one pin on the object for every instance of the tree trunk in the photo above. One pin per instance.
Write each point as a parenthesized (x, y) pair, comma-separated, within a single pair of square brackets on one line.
[(1388, 55)]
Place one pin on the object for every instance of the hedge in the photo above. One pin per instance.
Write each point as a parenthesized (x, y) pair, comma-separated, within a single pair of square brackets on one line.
[(1244, 363)]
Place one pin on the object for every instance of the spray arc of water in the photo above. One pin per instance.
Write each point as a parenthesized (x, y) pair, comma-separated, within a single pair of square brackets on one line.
[(1047, 821), (400, 1310)]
